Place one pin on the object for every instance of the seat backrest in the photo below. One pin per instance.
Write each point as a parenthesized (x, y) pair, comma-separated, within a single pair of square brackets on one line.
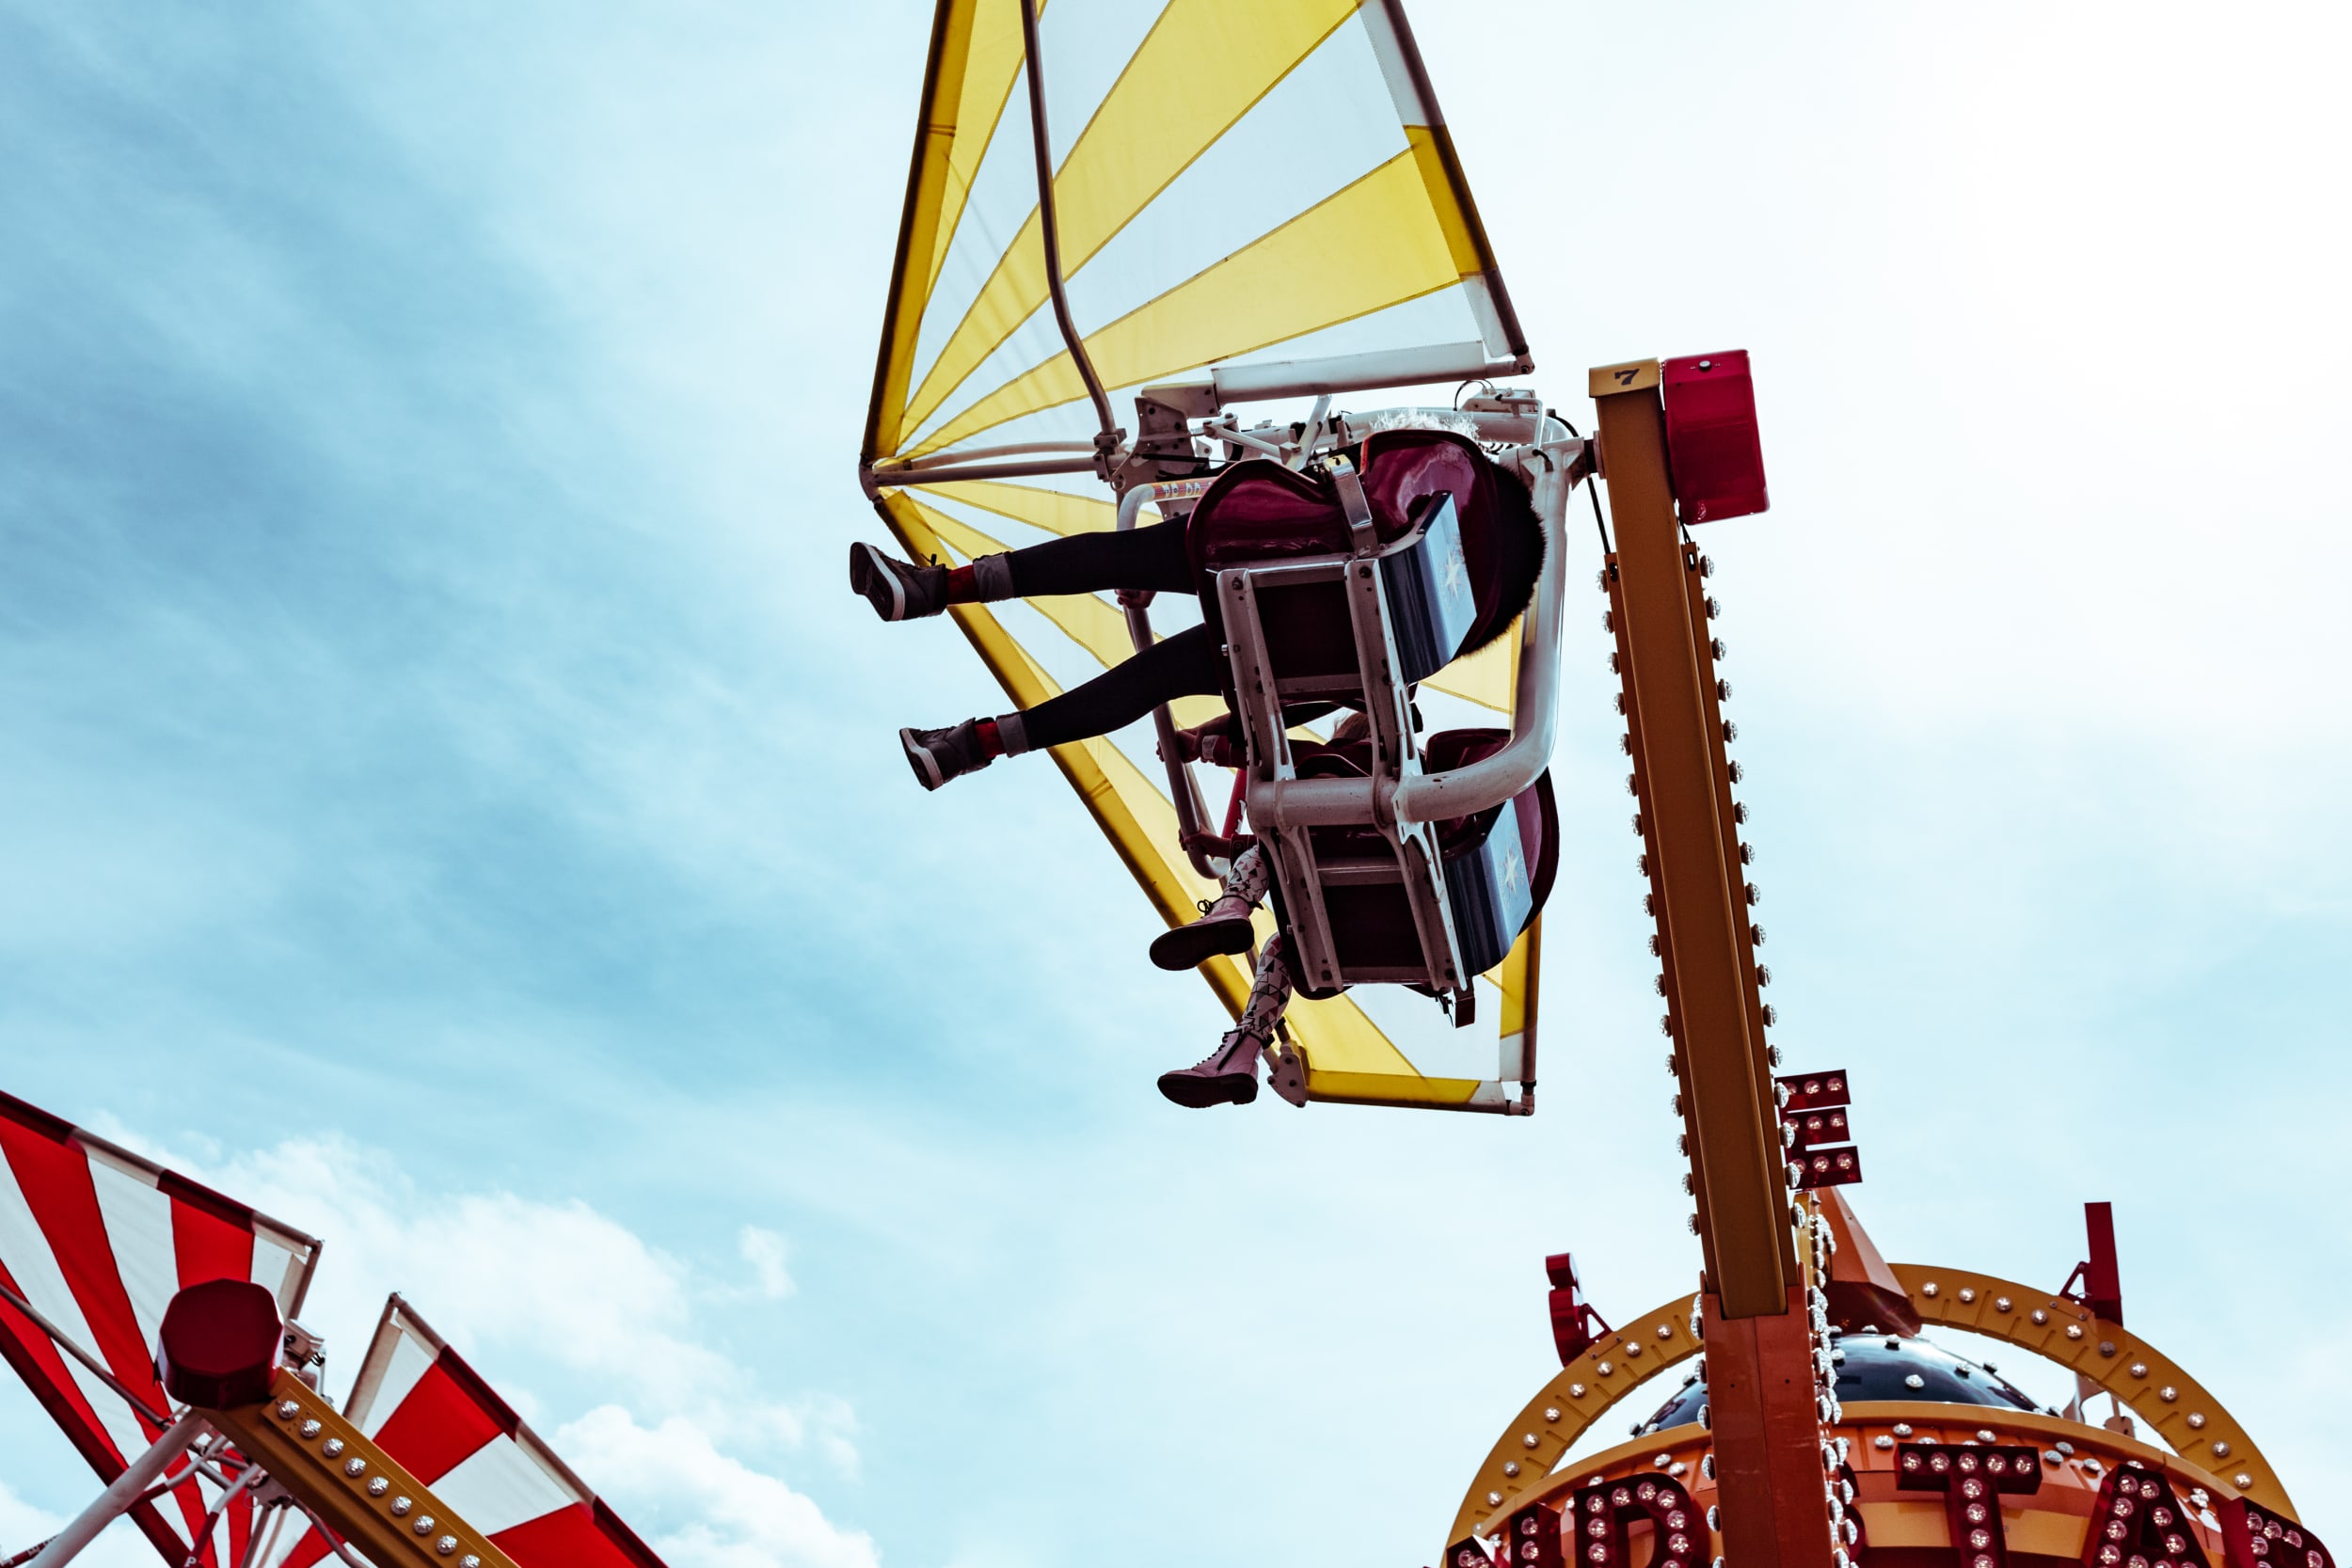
[(1260, 512)]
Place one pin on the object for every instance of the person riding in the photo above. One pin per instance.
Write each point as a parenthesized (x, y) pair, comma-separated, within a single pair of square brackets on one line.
[(1503, 548), (1258, 509)]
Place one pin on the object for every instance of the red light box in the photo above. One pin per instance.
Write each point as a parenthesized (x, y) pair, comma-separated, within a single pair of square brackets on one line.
[(1712, 447)]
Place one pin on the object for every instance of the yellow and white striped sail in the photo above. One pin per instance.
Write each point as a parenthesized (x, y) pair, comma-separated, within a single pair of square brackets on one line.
[(1237, 183)]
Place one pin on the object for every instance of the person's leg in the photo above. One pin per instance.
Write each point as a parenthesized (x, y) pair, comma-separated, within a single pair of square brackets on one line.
[(1144, 558), (1228, 1074), (1139, 558), (1184, 665), (1224, 925)]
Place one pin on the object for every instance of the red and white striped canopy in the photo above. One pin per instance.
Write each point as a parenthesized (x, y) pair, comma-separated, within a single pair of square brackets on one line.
[(98, 1241), (424, 1406)]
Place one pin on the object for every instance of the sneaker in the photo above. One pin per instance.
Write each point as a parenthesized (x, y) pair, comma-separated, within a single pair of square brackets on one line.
[(898, 591), (1223, 927), (1228, 1075), (938, 756)]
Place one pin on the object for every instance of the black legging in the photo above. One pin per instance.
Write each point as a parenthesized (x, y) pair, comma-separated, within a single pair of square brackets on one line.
[(1184, 665)]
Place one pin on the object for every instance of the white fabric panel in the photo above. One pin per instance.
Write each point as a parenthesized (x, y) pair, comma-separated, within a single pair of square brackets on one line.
[(502, 1484), (1322, 128), (43, 1283), (1381, 36), (138, 1231), (1037, 340), (277, 1269), (411, 1358), (1432, 319), (1087, 43), (1004, 188)]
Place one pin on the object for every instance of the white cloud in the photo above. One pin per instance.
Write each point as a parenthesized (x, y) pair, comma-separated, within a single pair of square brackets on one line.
[(764, 1250), (741, 1519), (22, 1525), (507, 1278)]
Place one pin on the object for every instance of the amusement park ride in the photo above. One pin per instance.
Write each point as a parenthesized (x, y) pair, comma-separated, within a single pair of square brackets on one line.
[(1262, 207)]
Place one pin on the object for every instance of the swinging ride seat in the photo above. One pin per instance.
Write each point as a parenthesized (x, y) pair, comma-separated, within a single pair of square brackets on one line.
[(1351, 586)]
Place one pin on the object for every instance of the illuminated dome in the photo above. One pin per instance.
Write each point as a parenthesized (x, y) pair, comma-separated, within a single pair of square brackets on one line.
[(1873, 1365)]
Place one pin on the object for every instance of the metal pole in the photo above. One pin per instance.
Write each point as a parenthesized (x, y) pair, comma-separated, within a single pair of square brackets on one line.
[(1049, 227), (118, 1497), (1182, 793)]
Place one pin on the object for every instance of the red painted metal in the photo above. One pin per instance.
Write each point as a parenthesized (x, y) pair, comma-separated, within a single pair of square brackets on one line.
[(1770, 1471), (2257, 1538), (2097, 1282), (219, 1344), (1532, 1538), (1597, 1523), (1574, 1323), (1712, 446), (2102, 1282), (1814, 1092), (1830, 1167), (2137, 1516), (1972, 1480), (1816, 1128)]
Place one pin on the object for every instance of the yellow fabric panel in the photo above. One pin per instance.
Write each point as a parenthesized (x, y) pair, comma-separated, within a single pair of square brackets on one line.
[(991, 63), (1461, 242), (1336, 1036), (1489, 678), (1372, 245), (1202, 66), (1055, 511), (1516, 977), (1387, 1089)]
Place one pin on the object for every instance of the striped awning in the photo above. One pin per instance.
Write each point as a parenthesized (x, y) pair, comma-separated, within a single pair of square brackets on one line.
[(98, 1240), (424, 1406)]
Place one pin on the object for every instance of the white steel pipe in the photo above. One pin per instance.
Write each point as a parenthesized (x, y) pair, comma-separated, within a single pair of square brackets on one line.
[(1466, 791), (1357, 372), (116, 1500)]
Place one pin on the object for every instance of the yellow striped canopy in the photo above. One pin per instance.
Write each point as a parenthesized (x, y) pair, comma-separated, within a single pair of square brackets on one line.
[(1237, 183)]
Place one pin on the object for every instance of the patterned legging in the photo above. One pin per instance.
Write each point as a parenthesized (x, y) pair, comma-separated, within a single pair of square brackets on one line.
[(1270, 989)]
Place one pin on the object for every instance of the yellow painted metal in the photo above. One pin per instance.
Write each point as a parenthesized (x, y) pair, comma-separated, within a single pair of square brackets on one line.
[(1634, 375), (2104, 1354), (330, 1487), (1581, 1394), (1697, 889), (1570, 1403)]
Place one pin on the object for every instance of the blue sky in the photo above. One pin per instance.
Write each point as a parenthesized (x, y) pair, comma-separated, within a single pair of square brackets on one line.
[(449, 794)]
